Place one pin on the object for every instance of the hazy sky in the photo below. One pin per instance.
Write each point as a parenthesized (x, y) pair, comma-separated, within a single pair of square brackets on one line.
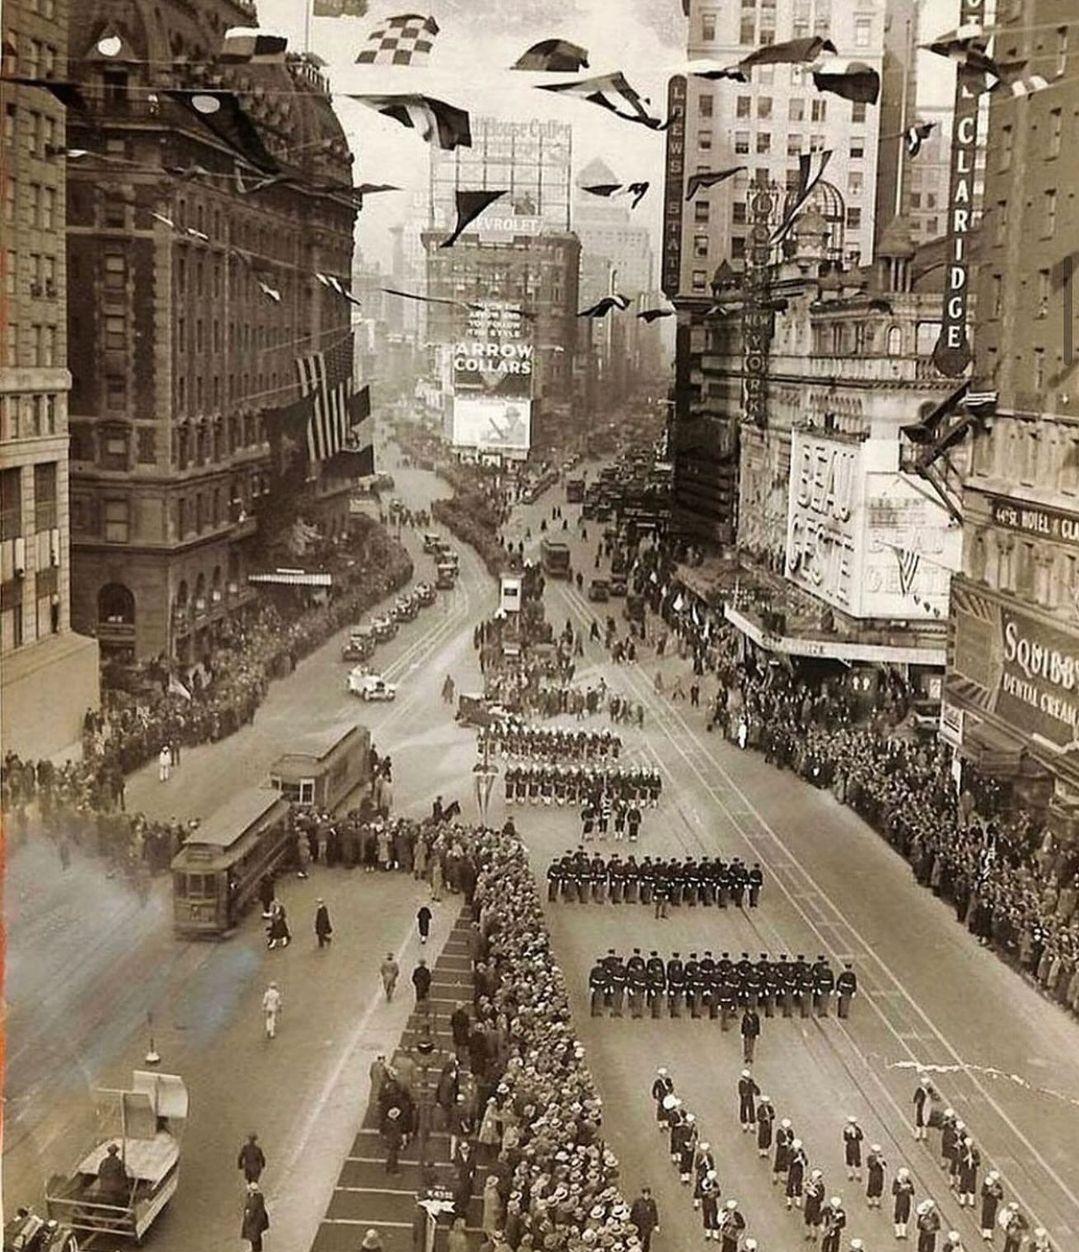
[(478, 39)]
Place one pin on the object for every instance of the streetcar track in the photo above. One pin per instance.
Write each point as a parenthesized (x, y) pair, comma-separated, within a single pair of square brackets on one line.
[(666, 718)]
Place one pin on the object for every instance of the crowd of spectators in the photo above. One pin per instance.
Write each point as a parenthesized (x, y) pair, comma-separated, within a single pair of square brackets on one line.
[(83, 802), (1009, 880)]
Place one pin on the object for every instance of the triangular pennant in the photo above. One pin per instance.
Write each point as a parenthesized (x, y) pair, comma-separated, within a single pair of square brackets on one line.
[(709, 178), (557, 55), (246, 45), (811, 167), (611, 92), (436, 122), (852, 80), (68, 94), (222, 113), (470, 204)]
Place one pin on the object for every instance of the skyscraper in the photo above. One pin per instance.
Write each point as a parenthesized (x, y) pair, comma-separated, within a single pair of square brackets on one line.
[(45, 666)]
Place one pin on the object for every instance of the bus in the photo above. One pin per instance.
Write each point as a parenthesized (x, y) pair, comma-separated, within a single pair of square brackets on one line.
[(574, 490), (555, 557)]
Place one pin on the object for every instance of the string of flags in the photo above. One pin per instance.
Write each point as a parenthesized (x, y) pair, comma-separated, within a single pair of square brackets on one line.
[(989, 1071), (637, 190), (613, 93), (811, 167), (437, 122), (602, 307), (470, 204), (791, 52), (709, 178), (553, 56)]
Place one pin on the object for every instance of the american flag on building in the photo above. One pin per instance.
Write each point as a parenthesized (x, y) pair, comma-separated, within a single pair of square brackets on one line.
[(327, 378)]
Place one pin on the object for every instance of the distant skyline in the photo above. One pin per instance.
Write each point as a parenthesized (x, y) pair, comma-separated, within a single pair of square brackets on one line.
[(469, 67)]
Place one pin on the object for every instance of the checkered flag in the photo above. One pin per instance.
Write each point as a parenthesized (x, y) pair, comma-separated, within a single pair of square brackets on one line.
[(403, 40)]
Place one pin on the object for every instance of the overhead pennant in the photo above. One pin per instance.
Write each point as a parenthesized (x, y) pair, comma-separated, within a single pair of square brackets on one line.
[(957, 44), (160, 217), (223, 115), (603, 189), (186, 174), (470, 204), (709, 178), (811, 167), (852, 80), (435, 121), (557, 55), (340, 8), (602, 307), (611, 92), (247, 45), (335, 284), (653, 315), (917, 135), (1025, 85), (792, 52), (412, 295), (69, 94), (272, 292), (638, 191), (713, 71), (370, 189), (249, 189), (406, 39)]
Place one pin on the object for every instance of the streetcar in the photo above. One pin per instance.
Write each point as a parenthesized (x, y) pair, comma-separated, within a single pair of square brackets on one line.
[(555, 556), (325, 767), (149, 1127), (574, 490), (216, 874)]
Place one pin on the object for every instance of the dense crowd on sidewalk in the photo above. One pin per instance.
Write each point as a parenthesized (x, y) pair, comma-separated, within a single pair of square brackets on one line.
[(1008, 879), (83, 802)]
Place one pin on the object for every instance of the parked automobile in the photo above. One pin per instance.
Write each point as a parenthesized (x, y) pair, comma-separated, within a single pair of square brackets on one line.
[(406, 609), (425, 593), (599, 590), (358, 648), (432, 542), (618, 585), (445, 576), (370, 686), (384, 627)]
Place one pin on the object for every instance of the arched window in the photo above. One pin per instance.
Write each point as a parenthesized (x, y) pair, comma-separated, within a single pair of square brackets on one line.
[(116, 605), (895, 341)]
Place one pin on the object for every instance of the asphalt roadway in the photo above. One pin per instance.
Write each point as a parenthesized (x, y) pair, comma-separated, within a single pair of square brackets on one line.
[(87, 964)]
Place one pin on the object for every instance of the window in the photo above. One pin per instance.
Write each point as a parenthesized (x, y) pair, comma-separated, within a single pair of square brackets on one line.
[(48, 208), (1055, 124), (708, 27), (1043, 292), (701, 211), (863, 29), (704, 140), (742, 106), (854, 219), (705, 104), (854, 183), (45, 496), (48, 345), (10, 504), (114, 450), (1039, 370), (115, 84), (915, 199), (747, 30), (1049, 214), (1002, 221), (800, 27), (700, 280), (115, 333), (115, 212), (764, 142), (115, 391), (930, 199), (857, 112), (931, 226), (817, 110), (738, 247), (1062, 50), (741, 142), (997, 287), (857, 148), (796, 109), (116, 521), (738, 213), (794, 145), (115, 271), (700, 247), (764, 106), (766, 74), (1007, 144)]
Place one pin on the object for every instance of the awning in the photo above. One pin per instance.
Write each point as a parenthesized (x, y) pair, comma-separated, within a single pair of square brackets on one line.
[(834, 649), (292, 578), (991, 750)]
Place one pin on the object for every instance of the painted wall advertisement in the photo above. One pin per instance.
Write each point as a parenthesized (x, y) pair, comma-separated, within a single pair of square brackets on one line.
[(864, 539), (492, 370), (1008, 662)]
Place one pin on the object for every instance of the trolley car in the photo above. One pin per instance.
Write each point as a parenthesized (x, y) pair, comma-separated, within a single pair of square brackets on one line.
[(325, 767), (216, 874)]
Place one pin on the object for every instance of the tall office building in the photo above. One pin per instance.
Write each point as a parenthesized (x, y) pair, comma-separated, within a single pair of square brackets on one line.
[(529, 160), (766, 123), (49, 674), (1012, 690), (898, 108), (178, 354)]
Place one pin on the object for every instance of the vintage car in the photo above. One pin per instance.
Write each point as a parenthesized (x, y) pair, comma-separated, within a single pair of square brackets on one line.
[(425, 593), (384, 627), (368, 686)]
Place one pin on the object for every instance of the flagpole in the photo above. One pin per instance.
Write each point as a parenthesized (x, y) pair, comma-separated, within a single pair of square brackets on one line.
[(903, 124), (308, 6)]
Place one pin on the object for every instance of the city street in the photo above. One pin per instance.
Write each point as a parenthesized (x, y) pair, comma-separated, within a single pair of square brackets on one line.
[(78, 1017)]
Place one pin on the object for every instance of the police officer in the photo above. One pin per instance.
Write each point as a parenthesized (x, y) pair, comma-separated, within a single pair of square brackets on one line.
[(636, 983), (597, 986), (646, 875), (631, 880), (823, 986), (754, 881), (727, 997), (661, 890), (846, 986), (615, 879), (554, 878), (657, 983), (616, 973), (769, 985), (676, 984), (803, 978)]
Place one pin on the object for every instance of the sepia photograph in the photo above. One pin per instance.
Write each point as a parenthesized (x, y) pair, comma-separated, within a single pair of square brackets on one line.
[(539, 626)]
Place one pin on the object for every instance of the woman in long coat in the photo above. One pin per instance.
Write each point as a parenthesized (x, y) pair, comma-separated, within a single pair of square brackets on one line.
[(491, 1219), (256, 1221)]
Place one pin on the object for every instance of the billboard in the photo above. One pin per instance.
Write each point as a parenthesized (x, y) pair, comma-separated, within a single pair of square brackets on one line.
[(490, 423), (863, 538), (495, 356)]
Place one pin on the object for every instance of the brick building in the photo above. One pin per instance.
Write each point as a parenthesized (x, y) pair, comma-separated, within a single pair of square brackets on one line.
[(49, 674), (1012, 687), (177, 354)]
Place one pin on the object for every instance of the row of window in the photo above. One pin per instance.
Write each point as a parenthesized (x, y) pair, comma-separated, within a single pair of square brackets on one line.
[(111, 517), (28, 416), (13, 499), (42, 131), (39, 204), (760, 28), (33, 58), (1053, 143), (1044, 218), (33, 345), (762, 143), (21, 623), (39, 268)]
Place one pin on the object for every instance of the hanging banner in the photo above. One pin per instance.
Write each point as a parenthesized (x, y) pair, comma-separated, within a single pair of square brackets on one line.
[(756, 313), (952, 353)]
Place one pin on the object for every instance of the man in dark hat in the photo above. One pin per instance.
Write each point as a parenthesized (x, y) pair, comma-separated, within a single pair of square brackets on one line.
[(112, 1177), (644, 1214), (256, 1221), (323, 928), (252, 1159), (846, 986)]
